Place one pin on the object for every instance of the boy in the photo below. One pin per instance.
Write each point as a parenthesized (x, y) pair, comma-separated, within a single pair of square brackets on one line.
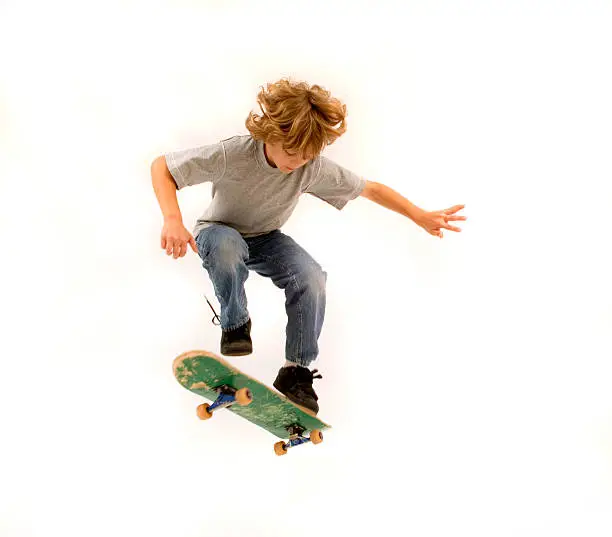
[(257, 180)]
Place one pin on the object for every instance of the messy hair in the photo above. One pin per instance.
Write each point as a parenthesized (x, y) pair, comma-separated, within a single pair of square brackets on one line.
[(304, 118)]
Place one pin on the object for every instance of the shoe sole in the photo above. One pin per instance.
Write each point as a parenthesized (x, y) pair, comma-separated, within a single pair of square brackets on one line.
[(237, 351), (304, 408)]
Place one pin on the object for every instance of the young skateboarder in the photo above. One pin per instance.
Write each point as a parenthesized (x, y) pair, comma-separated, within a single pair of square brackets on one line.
[(257, 180)]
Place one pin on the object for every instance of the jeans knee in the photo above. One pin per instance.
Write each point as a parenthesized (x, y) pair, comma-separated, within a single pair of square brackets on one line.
[(315, 279), (222, 246), (229, 252)]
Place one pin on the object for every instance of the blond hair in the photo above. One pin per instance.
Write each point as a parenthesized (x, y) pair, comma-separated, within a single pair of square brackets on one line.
[(304, 118)]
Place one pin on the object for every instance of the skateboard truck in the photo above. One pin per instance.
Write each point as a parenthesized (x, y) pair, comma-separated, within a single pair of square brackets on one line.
[(226, 397), (297, 438)]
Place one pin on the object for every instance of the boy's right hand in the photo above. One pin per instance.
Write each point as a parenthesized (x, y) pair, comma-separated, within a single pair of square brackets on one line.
[(175, 237)]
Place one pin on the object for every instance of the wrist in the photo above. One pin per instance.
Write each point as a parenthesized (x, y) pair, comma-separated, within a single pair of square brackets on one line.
[(416, 215), (173, 218)]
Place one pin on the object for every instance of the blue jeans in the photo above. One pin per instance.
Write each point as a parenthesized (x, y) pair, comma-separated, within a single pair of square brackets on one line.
[(228, 257)]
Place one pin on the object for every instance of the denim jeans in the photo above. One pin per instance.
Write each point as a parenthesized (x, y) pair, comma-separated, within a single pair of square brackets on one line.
[(228, 257)]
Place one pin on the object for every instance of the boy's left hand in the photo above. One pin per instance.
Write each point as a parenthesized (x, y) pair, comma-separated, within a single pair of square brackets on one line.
[(435, 221)]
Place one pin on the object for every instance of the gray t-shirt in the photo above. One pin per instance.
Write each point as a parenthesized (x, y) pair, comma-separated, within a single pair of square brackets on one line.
[(250, 195)]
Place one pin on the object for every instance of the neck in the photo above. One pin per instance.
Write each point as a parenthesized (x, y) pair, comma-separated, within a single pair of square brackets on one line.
[(270, 162)]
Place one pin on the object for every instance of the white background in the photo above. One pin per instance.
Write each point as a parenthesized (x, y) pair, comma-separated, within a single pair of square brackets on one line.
[(467, 379)]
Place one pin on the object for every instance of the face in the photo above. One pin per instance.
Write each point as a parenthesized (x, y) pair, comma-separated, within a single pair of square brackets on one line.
[(285, 162)]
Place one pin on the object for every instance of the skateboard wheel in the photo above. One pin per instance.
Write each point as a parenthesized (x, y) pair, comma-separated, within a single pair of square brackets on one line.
[(244, 396), (203, 412), (280, 449), (316, 436)]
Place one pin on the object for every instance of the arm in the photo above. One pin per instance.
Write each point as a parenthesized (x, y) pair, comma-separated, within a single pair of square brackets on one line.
[(390, 199), (175, 237), (431, 221), (165, 190)]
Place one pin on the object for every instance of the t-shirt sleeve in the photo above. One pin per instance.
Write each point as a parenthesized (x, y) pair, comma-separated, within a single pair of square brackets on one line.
[(336, 185), (196, 165)]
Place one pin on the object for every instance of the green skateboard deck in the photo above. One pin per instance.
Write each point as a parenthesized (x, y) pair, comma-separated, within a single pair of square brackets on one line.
[(209, 376)]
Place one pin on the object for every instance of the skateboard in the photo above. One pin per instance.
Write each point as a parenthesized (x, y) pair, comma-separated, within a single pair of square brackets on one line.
[(210, 376)]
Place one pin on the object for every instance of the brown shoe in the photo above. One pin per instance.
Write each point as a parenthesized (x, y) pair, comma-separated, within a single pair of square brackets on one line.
[(237, 342), (295, 382)]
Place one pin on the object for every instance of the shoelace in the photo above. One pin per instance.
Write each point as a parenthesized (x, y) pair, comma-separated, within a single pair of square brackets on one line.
[(216, 317), (316, 376)]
